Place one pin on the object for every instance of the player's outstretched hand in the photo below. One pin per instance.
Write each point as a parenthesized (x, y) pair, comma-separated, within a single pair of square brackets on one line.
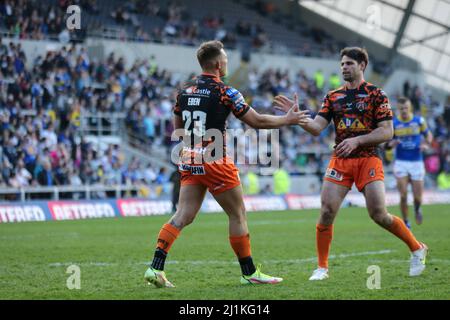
[(283, 103), (295, 116), (346, 147)]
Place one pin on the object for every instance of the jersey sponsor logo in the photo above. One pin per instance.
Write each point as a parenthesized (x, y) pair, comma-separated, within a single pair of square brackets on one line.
[(362, 95), (341, 125), (348, 122), (195, 90), (351, 123), (232, 92), (190, 90), (198, 170), (407, 131), (333, 174), (195, 170), (184, 167), (236, 97), (187, 151), (357, 125), (409, 144), (384, 106)]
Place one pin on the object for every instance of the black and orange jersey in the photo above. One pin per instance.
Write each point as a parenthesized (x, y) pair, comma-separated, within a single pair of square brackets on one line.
[(206, 102), (356, 112)]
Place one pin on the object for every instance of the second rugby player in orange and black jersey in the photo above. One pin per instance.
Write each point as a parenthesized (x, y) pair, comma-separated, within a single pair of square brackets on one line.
[(363, 120), (356, 112)]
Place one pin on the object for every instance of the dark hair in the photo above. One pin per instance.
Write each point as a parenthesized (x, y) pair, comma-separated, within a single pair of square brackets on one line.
[(403, 100), (356, 53), (208, 51)]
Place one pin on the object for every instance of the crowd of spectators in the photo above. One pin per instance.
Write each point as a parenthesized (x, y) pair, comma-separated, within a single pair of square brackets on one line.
[(40, 107), (172, 22), (38, 20), (40, 112)]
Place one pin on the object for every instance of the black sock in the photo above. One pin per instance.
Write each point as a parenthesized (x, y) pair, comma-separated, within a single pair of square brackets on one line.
[(416, 206), (247, 266), (159, 259)]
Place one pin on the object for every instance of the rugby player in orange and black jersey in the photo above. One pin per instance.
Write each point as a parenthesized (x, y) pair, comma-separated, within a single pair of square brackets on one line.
[(205, 103), (356, 112), (363, 120)]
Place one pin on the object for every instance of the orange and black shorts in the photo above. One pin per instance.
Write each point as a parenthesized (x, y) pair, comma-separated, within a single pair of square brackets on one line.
[(217, 176), (361, 171)]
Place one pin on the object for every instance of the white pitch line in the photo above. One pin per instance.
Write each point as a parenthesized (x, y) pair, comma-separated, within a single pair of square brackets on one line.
[(214, 262), (339, 256), (429, 261), (95, 264)]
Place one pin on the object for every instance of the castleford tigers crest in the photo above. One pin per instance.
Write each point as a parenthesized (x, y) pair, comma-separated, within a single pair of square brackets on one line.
[(361, 106)]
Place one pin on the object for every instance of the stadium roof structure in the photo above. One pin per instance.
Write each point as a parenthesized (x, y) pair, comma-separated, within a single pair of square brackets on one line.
[(419, 29)]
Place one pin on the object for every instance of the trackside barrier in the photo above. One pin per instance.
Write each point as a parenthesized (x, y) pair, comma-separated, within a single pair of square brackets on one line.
[(11, 212)]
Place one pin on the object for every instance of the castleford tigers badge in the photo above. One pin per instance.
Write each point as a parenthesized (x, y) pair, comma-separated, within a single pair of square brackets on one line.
[(361, 106)]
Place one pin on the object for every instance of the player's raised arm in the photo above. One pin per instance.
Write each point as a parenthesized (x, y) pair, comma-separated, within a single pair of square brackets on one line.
[(234, 100), (313, 126)]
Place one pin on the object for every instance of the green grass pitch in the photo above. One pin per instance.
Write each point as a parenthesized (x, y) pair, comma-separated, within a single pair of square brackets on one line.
[(112, 256)]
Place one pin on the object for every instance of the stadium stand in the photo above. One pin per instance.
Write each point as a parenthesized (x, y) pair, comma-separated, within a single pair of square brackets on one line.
[(170, 22)]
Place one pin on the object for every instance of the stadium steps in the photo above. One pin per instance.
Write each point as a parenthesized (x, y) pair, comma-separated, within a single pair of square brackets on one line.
[(153, 158)]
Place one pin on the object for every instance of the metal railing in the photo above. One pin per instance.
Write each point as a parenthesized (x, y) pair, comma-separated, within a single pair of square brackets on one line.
[(101, 123)]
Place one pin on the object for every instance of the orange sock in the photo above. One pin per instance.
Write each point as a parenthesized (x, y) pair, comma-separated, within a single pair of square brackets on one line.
[(324, 234), (241, 245), (399, 228), (167, 235)]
